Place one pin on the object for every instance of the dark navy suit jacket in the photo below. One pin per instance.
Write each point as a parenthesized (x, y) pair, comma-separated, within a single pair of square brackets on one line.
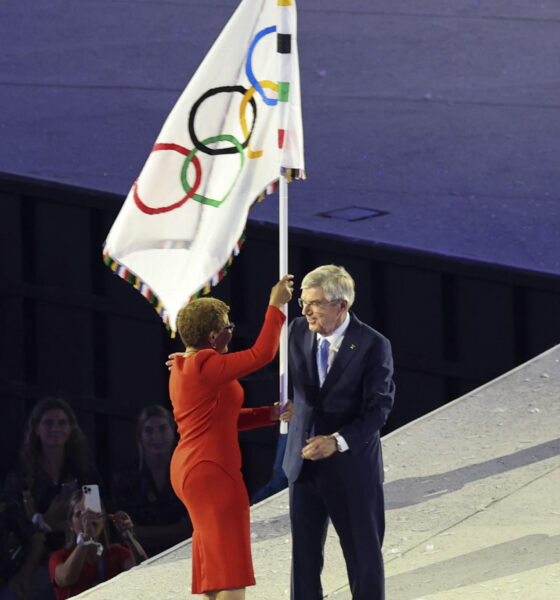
[(355, 399)]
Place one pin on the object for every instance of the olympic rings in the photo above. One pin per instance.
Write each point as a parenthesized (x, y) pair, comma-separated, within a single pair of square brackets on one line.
[(200, 145), (190, 192), (218, 138), (235, 147)]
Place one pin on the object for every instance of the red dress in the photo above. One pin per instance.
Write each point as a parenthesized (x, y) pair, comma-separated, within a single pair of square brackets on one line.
[(206, 465)]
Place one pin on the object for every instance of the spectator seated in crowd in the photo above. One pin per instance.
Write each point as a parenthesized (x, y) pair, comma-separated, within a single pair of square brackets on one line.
[(144, 490), (54, 462), (88, 559)]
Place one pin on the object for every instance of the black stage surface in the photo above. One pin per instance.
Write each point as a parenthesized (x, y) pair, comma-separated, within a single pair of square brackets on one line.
[(443, 114)]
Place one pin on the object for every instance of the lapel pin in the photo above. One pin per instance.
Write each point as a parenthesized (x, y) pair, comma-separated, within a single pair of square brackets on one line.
[(352, 347)]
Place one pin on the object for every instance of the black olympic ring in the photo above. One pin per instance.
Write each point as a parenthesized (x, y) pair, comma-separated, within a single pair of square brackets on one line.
[(208, 94)]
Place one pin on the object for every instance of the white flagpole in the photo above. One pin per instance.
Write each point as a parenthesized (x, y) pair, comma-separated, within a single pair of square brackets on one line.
[(283, 263), (284, 75)]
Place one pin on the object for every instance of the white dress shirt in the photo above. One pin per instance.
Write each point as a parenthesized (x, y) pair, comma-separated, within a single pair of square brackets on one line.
[(335, 340)]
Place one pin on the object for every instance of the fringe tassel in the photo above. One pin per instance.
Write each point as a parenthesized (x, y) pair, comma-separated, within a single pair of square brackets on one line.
[(130, 277), (291, 174), (122, 272)]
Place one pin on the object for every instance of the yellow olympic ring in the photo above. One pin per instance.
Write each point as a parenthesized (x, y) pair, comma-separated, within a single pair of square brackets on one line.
[(271, 85)]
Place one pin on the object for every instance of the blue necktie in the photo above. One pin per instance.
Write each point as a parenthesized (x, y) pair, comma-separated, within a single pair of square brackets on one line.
[(323, 359)]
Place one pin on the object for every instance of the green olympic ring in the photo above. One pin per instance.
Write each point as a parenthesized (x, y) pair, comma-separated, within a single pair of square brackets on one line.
[(190, 157)]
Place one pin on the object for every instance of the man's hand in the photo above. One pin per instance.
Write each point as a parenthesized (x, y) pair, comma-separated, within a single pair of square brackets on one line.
[(171, 357), (319, 447), (278, 412)]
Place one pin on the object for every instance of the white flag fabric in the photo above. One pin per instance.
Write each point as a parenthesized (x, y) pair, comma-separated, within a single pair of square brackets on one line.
[(234, 129)]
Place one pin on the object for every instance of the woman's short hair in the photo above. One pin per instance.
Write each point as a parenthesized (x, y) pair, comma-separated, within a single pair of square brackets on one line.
[(335, 281), (198, 319)]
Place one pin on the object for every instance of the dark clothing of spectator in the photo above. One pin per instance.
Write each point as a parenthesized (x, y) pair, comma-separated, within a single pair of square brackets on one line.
[(39, 490), (15, 533), (135, 492)]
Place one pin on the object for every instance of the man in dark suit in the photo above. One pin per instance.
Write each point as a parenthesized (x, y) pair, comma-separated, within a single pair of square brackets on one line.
[(341, 372)]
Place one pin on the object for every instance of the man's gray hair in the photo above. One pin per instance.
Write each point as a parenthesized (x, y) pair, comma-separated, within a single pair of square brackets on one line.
[(336, 282)]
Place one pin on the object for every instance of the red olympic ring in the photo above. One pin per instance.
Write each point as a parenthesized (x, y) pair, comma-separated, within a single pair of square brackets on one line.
[(154, 211)]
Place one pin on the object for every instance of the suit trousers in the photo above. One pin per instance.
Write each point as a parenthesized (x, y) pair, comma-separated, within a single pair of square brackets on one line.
[(356, 511)]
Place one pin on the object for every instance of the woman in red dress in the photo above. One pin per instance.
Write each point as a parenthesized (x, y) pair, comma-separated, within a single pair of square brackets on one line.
[(206, 465)]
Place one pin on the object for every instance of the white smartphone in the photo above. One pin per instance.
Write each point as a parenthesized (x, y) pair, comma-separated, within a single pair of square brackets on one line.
[(91, 495)]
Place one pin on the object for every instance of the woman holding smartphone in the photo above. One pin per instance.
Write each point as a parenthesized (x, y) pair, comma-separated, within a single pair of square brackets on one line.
[(88, 558)]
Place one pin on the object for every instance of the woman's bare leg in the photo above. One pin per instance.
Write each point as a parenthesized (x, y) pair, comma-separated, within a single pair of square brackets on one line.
[(236, 594)]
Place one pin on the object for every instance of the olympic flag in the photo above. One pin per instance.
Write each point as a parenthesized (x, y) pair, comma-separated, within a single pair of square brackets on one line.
[(234, 130)]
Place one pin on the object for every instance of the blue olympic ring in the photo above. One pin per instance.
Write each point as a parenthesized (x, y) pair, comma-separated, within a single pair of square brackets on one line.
[(249, 68)]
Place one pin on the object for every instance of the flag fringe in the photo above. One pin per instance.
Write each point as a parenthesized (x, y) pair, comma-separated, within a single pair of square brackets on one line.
[(124, 273), (292, 174)]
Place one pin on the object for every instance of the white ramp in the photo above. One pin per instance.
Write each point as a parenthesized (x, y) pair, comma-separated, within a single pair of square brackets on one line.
[(472, 499)]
